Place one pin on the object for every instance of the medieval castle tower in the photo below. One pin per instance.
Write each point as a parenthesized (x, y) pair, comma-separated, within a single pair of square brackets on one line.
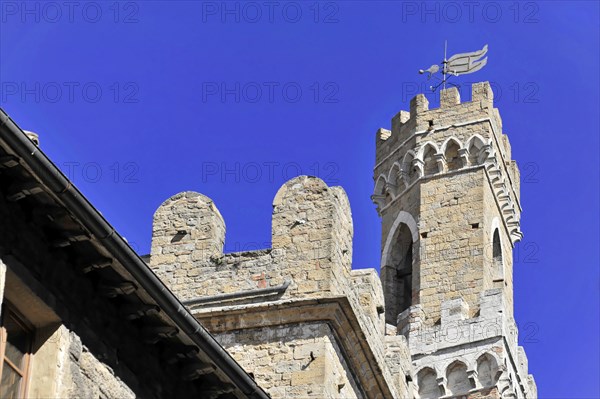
[(447, 192), (438, 320)]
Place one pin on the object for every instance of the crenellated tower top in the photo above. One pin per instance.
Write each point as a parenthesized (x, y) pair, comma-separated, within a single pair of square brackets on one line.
[(473, 129), (447, 192)]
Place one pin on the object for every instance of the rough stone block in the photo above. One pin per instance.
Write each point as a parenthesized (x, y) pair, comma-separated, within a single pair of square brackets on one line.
[(449, 97)]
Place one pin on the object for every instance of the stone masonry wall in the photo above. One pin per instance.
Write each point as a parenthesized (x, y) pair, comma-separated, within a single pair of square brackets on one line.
[(63, 367), (294, 361), (451, 259), (83, 375)]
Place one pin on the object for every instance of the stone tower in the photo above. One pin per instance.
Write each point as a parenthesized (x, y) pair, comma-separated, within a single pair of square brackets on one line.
[(447, 193)]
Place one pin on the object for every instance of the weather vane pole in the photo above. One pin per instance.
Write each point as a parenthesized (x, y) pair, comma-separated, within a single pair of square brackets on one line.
[(458, 64), (444, 70)]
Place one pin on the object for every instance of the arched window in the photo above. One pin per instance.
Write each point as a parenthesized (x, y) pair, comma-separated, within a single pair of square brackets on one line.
[(379, 197), (428, 387), (395, 180), (497, 264), (458, 380), (487, 368), (453, 161), (429, 161), (475, 146), (407, 167), (400, 272)]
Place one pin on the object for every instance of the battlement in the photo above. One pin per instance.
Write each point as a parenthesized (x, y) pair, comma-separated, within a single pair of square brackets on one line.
[(311, 244), (422, 121), (455, 326), (305, 277), (487, 343), (456, 120), (458, 136)]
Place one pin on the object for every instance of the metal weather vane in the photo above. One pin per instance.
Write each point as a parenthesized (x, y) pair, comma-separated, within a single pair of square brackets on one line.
[(458, 64)]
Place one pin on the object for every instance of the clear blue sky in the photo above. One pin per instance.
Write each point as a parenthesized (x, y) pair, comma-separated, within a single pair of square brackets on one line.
[(137, 101)]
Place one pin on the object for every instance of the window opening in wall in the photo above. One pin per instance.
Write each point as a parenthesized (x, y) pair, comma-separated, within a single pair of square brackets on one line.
[(15, 349), (402, 258), (429, 160), (497, 257), (453, 160)]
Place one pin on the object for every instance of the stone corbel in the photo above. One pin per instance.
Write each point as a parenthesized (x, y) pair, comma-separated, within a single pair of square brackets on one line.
[(502, 195), (417, 166), (516, 235), (473, 379), (463, 154), (494, 173), (391, 188), (499, 373), (379, 201), (500, 184), (507, 205), (486, 154), (441, 382), (403, 177), (440, 160), (504, 382)]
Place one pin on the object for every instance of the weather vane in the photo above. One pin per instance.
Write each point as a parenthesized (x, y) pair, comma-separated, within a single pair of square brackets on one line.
[(458, 64)]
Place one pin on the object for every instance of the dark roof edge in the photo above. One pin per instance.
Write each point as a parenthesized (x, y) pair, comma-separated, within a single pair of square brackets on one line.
[(57, 182)]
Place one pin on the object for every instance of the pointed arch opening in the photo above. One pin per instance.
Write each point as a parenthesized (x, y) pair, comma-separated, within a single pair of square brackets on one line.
[(487, 370), (395, 180), (427, 382), (401, 257), (458, 380), (429, 161), (497, 261), (398, 266), (453, 160), (474, 147), (412, 172)]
